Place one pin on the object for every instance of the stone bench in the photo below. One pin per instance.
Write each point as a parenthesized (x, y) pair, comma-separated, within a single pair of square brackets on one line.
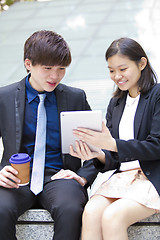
[(37, 224), (146, 229)]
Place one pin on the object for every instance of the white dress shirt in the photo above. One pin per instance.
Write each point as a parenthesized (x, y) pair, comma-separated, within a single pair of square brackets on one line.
[(126, 128)]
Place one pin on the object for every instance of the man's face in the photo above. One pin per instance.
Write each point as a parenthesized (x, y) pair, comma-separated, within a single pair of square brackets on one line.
[(45, 78)]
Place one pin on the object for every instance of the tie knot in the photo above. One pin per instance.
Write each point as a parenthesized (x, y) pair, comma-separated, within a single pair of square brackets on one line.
[(42, 97)]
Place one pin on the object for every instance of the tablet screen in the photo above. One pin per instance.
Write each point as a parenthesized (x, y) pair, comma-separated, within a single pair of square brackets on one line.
[(72, 119)]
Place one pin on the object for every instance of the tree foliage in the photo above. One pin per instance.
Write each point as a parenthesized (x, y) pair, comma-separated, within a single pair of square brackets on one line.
[(4, 4)]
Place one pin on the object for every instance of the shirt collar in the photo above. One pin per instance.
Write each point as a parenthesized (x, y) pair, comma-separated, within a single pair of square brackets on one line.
[(131, 101), (32, 93)]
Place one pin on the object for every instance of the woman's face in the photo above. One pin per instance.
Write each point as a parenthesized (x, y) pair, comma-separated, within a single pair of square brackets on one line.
[(126, 73)]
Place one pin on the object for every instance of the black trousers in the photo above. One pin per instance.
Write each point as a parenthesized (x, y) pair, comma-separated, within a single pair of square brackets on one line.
[(64, 199)]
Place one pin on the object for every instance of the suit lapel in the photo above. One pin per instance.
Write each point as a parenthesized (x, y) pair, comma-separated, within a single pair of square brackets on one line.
[(61, 98), (139, 114), (19, 110), (116, 116), (62, 106)]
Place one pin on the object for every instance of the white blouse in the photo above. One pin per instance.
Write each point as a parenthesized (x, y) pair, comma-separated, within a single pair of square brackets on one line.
[(126, 128)]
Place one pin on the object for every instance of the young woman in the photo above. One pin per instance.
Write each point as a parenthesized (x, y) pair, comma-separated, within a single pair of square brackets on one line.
[(130, 144)]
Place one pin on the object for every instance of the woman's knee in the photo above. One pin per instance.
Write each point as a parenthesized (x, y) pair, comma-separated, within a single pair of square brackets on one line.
[(91, 208), (113, 218), (109, 215), (95, 207)]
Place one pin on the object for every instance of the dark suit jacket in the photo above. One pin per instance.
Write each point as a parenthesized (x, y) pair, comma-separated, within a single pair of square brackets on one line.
[(12, 108), (146, 145)]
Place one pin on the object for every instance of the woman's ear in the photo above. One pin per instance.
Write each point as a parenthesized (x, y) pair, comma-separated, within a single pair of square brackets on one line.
[(143, 63), (27, 64)]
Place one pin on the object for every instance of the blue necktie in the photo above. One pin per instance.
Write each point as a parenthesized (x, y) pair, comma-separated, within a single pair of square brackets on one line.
[(39, 150)]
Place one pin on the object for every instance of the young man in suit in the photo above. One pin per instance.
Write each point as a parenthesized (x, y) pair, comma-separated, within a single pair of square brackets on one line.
[(64, 195)]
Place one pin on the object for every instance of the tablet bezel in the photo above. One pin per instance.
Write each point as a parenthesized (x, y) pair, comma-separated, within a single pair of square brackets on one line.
[(72, 119)]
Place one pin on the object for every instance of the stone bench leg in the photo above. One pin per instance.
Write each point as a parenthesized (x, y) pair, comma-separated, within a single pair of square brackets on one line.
[(35, 224)]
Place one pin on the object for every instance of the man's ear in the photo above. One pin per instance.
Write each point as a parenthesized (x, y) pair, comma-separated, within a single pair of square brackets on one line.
[(143, 63), (28, 64)]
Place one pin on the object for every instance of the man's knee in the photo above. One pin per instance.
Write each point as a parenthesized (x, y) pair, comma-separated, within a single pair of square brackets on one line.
[(8, 217), (67, 210)]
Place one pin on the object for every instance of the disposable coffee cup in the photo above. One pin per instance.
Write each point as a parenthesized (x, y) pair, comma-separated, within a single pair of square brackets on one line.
[(21, 162)]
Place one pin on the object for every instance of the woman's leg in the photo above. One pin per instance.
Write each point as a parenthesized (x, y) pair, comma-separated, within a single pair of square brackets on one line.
[(120, 215), (91, 222)]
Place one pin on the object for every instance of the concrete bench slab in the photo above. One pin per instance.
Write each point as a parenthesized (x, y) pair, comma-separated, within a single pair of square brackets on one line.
[(37, 224), (146, 229)]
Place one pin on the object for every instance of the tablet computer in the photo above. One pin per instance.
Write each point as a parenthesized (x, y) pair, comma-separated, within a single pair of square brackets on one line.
[(71, 120)]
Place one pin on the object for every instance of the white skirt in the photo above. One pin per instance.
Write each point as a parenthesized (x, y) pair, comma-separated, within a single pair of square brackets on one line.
[(132, 184)]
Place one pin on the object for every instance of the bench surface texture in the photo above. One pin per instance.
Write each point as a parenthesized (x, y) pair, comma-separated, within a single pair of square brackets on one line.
[(37, 224)]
